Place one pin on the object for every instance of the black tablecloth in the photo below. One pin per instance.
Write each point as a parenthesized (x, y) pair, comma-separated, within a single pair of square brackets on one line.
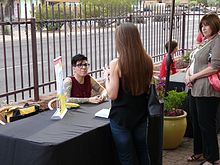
[(79, 138)]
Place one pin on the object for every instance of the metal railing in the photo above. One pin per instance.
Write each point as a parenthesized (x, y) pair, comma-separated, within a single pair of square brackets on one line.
[(29, 45)]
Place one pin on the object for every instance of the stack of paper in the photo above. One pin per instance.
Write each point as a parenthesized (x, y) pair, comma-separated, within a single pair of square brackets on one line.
[(103, 113)]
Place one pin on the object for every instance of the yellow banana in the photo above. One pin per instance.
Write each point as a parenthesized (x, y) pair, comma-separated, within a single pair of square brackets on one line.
[(72, 105)]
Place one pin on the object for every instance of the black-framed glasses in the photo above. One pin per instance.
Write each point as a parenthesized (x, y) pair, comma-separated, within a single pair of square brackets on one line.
[(82, 65)]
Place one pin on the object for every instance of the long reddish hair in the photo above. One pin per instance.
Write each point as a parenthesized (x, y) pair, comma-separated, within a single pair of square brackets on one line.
[(135, 64)]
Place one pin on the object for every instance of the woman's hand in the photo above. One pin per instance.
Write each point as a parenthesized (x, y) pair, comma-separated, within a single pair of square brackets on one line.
[(96, 99), (188, 80)]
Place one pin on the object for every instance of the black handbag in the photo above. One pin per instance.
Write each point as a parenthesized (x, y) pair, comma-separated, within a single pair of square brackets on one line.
[(154, 108), (155, 128)]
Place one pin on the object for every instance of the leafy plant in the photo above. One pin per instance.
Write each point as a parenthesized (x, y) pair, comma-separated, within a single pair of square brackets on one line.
[(185, 57), (48, 16), (173, 102), (103, 8), (160, 87)]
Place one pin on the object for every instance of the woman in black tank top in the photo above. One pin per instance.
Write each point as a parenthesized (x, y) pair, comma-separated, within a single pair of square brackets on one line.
[(127, 82)]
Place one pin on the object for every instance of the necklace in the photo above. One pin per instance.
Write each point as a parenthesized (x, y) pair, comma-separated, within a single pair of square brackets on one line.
[(207, 41)]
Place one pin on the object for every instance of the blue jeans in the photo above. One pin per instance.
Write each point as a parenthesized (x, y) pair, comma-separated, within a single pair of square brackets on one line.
[(131, 144)]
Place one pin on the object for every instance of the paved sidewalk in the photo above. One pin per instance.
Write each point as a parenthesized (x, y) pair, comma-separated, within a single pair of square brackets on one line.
[(179, 155)]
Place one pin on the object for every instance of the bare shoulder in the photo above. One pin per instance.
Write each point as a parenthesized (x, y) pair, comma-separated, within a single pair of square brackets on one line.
[(114, 62), (67, 80), (114, 67)]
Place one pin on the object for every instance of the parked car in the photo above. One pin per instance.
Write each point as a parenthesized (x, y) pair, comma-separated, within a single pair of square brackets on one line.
[(206, 10), (195, 8), (160, 18), (147, 9)]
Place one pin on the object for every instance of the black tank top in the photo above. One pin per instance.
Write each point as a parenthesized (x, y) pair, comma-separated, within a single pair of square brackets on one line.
[(128, 111)]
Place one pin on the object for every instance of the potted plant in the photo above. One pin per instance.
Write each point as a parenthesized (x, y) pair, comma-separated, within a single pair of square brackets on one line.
[(174, 119), (173, 103), (174, 116)]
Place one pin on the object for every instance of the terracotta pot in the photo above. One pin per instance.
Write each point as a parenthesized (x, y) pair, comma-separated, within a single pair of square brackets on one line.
[(173, 131)]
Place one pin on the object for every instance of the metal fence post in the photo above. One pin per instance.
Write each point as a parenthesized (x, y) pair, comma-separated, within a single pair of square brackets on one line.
[(34, 58), (130, 17), (183, 33)]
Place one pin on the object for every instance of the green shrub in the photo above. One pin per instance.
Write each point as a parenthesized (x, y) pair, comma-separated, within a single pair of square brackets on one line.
[(173, 102), (186, 56), (103, 8), (47, 15)]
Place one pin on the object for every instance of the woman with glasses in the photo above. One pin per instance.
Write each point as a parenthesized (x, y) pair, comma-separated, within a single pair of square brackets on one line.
[(127, 83), (78, 88)]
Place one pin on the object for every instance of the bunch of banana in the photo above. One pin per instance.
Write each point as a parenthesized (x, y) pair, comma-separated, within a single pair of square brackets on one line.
[(53, 103), (72, 105)]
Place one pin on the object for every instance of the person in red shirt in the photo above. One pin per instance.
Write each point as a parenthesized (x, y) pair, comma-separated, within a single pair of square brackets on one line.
[(199, 38), (173, 50)]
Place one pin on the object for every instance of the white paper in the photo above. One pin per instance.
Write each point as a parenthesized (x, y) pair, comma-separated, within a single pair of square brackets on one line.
[(2, 123), (58, 115), (103, 113)]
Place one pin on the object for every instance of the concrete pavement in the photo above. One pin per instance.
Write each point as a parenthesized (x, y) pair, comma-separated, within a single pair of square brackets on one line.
[(179, 155)]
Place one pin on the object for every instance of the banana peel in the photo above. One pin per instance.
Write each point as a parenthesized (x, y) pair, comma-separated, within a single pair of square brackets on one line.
[(72, 105)]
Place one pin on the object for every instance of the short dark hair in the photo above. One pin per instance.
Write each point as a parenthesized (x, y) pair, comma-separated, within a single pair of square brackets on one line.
[(78, 57), (173, 45), (212, 20)]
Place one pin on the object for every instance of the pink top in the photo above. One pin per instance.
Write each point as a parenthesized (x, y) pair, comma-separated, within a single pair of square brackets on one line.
[(199, 38)]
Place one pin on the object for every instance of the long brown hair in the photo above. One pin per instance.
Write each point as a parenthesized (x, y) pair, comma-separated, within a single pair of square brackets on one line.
[(135, 64)]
